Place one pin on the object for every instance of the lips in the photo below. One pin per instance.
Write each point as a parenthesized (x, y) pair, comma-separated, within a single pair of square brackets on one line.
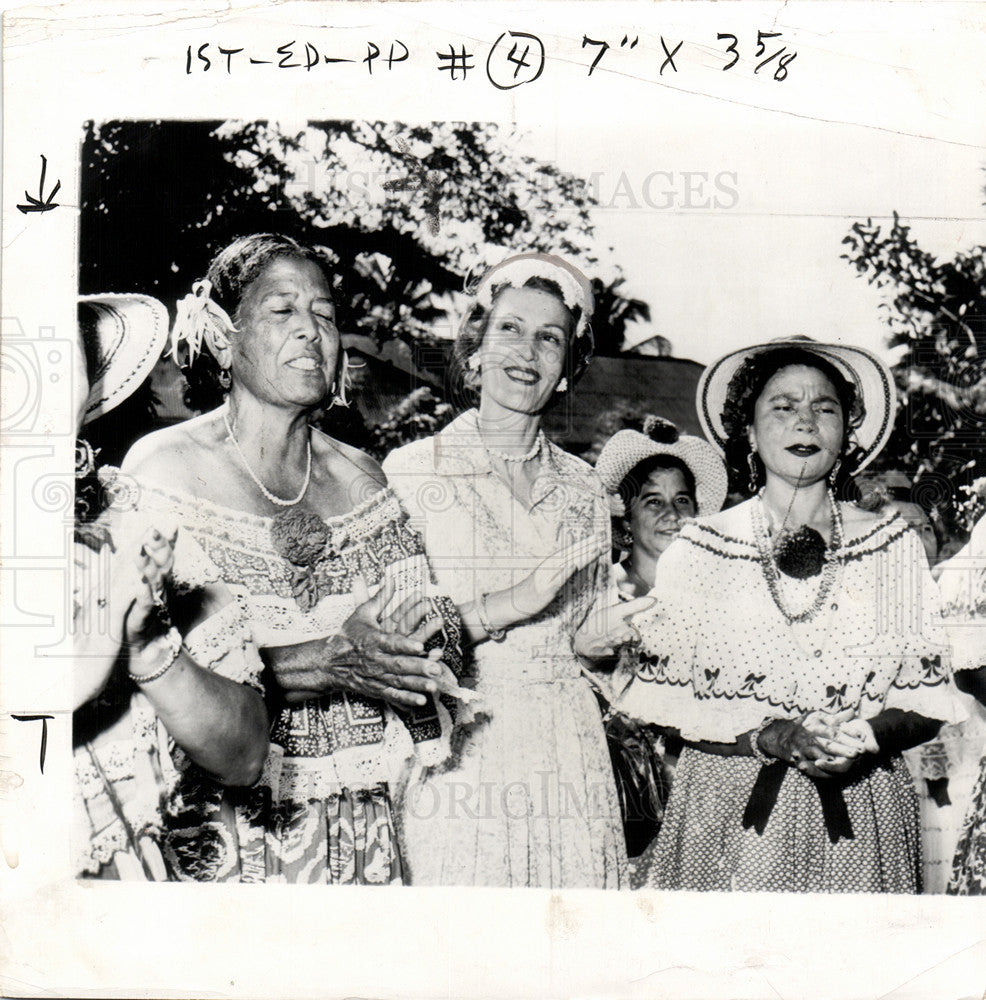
[(804, 450), (305, 363), (525, 376)]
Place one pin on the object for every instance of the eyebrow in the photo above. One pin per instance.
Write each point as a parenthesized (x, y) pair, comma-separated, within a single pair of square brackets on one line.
[(795, 399), (522, 319), (291, 294)]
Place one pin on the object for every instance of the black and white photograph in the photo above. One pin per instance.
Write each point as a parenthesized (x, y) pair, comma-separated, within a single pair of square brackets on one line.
[(468, 459)]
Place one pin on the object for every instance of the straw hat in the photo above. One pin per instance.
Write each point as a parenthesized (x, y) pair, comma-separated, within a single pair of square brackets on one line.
[(627, 448), (123, 337), (875, 391)]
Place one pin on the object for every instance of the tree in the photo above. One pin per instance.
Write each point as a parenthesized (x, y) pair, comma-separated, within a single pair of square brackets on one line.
[(936, 312), (406, 210)]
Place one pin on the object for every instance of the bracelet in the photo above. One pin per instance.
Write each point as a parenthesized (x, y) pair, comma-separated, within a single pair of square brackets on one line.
[(496, 634), (173, 639), (758, 754)]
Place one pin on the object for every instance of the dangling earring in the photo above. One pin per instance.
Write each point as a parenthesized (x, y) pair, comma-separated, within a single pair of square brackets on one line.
[(835, 471), (339, 387), (562, 385), (225, 379), (473, 363), (752, 463)]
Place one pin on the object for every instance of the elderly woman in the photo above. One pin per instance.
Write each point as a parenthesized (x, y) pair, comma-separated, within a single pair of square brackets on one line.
[(515, 529), (300, 529), (656, 480), (793, 645)]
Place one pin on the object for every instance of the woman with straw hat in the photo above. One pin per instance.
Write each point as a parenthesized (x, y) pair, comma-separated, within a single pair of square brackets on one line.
[(171, 698), (793, 645), (655, 480)]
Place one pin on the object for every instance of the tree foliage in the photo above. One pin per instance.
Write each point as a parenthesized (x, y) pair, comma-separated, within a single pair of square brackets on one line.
[(408, 211), (936, 312)]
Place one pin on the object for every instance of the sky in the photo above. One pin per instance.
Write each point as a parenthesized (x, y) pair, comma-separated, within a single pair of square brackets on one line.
[(733, 235)]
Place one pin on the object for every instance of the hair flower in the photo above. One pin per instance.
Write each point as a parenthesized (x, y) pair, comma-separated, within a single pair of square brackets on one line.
[(195, 314)]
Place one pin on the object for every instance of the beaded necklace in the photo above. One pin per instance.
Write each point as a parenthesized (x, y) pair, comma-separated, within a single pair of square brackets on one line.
[(534, 451), (263, 489), (772, 574)]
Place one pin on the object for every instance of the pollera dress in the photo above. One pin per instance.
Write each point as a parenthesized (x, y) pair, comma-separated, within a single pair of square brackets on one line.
[(719, 657), (963, 589), (322, 810), (528, 798)]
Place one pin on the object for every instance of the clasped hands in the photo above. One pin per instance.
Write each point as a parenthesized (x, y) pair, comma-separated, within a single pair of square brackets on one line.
[(820, 744)]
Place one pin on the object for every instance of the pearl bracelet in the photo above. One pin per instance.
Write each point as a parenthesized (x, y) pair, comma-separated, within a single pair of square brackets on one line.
[(758, 754), (496, 634), (172, 641)]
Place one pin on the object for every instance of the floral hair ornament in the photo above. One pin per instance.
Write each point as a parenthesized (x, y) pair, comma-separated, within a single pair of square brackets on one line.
[(195, 315), (516, 271)]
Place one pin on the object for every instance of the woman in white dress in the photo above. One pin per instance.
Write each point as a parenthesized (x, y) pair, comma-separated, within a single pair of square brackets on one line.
[(517, 532)]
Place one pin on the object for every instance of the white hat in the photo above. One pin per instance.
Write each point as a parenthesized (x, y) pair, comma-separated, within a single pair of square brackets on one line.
[(872, 421), (627, 448), (123, 345)]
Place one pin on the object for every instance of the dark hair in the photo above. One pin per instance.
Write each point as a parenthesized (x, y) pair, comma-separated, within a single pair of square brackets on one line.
[(633, 482), (745, 388), (473, 329), (231, 272)]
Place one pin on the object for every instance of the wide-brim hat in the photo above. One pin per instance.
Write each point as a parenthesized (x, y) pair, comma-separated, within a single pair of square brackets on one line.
[(875, 391), (627, 448), (124, 336)]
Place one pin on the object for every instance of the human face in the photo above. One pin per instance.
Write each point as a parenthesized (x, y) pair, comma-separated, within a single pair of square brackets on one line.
[(917, 519), (797, 425), (286, 345), (659, 510), (522, 356)]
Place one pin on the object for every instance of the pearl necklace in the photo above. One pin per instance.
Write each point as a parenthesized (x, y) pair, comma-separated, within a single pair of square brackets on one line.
[(772, 574), (526, 457), (263, 489)]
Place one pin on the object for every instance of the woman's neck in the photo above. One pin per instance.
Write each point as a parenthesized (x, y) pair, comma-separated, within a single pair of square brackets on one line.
[(270, 436), (791, 506), (641, 570), (507, 431)]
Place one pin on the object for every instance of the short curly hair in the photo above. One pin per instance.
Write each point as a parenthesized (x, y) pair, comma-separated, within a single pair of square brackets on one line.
[(473, 329), (231, 272), (745, 388)]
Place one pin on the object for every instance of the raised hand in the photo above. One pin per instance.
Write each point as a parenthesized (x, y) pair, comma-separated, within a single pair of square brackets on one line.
[(609, 628)]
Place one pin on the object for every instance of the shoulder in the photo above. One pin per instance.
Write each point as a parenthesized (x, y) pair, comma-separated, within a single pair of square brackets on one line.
[(866, 532), (360, 474), (417, 456), (177, 456)]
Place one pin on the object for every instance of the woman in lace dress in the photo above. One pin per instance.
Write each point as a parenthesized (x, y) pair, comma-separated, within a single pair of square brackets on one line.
[(794, 644), (515, 530), (301, 530), (147, 690)]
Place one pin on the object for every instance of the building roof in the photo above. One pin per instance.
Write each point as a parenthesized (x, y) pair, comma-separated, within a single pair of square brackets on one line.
[(664, 386)]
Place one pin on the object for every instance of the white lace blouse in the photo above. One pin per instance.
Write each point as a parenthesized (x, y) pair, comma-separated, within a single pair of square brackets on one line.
[(718, 655)]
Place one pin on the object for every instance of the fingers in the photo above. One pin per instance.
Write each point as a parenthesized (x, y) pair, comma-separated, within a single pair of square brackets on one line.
[(373, 607), (409, 614), (428, 629), (637, 606)]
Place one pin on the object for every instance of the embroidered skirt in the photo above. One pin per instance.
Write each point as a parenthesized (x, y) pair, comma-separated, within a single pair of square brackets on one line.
[(969, 867)]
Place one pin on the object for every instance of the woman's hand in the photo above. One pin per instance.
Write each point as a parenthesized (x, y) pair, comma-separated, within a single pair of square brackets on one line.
[(145, 618), (795, 743), (372, 657), (609, 628), (537, 590)]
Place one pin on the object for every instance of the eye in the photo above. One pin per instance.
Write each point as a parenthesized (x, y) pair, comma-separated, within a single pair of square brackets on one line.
[(684, 501), (281, 312), (550, 338)]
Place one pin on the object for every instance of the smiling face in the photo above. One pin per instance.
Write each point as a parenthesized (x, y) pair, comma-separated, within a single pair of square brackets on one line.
[(286, 345), (797, 426), (659, 510), (523, 353)]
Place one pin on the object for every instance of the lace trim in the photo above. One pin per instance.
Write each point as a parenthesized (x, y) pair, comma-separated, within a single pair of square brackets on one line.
[(298, 779)]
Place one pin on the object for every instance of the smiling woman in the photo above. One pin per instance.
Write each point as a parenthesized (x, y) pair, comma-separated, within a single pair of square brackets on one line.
[(517, 530), (301, 529)]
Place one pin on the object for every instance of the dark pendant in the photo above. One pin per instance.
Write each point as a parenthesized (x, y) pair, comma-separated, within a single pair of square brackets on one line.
[(800, 554)]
